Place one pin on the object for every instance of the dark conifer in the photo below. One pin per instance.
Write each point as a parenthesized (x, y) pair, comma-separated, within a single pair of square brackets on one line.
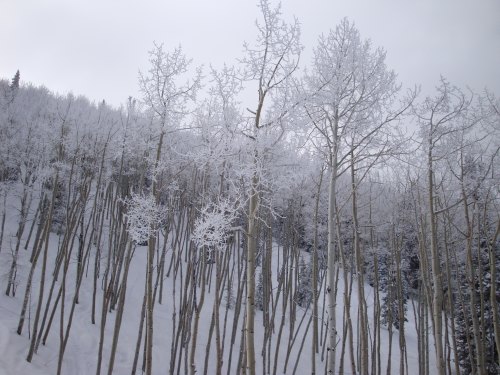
[(15, 81)]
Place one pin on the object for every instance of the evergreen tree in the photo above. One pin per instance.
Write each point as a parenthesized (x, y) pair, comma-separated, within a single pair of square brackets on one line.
[(390, 300), (483, 311), (304, 293), (466, 346), (15, 81), (259, 293)]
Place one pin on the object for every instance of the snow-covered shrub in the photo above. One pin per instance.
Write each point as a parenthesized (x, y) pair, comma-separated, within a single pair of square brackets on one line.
[(213, 227), (143, 217)]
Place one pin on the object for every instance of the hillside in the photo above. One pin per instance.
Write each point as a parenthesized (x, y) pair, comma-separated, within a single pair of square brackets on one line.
[(83, 344), (275, 216)]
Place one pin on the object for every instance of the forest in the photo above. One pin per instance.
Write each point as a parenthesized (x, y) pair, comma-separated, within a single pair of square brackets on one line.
[(274, 216)]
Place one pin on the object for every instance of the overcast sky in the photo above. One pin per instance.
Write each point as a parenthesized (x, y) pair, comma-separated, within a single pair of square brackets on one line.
[(96, 48)]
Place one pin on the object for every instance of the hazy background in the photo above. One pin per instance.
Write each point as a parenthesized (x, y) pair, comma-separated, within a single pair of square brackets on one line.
[(96, 48)]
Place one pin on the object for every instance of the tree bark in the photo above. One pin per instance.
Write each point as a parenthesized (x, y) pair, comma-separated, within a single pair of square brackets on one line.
[(251, 251)]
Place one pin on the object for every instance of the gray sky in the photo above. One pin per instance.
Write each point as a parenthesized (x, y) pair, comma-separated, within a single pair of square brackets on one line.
[(96, 48)]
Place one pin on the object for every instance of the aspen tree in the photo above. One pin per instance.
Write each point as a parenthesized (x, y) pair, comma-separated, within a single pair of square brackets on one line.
[(439, 118), (351, 97), (168, 101), (270, 62)]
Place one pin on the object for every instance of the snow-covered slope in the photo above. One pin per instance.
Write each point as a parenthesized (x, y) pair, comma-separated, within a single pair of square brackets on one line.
[(82, 348)]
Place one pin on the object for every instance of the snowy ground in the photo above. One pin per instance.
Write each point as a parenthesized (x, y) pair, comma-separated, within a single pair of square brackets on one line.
[(81, 352)]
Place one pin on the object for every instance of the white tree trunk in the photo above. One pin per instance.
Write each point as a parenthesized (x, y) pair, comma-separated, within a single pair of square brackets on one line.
[(251, 251), (332, 329), (437, 290)]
